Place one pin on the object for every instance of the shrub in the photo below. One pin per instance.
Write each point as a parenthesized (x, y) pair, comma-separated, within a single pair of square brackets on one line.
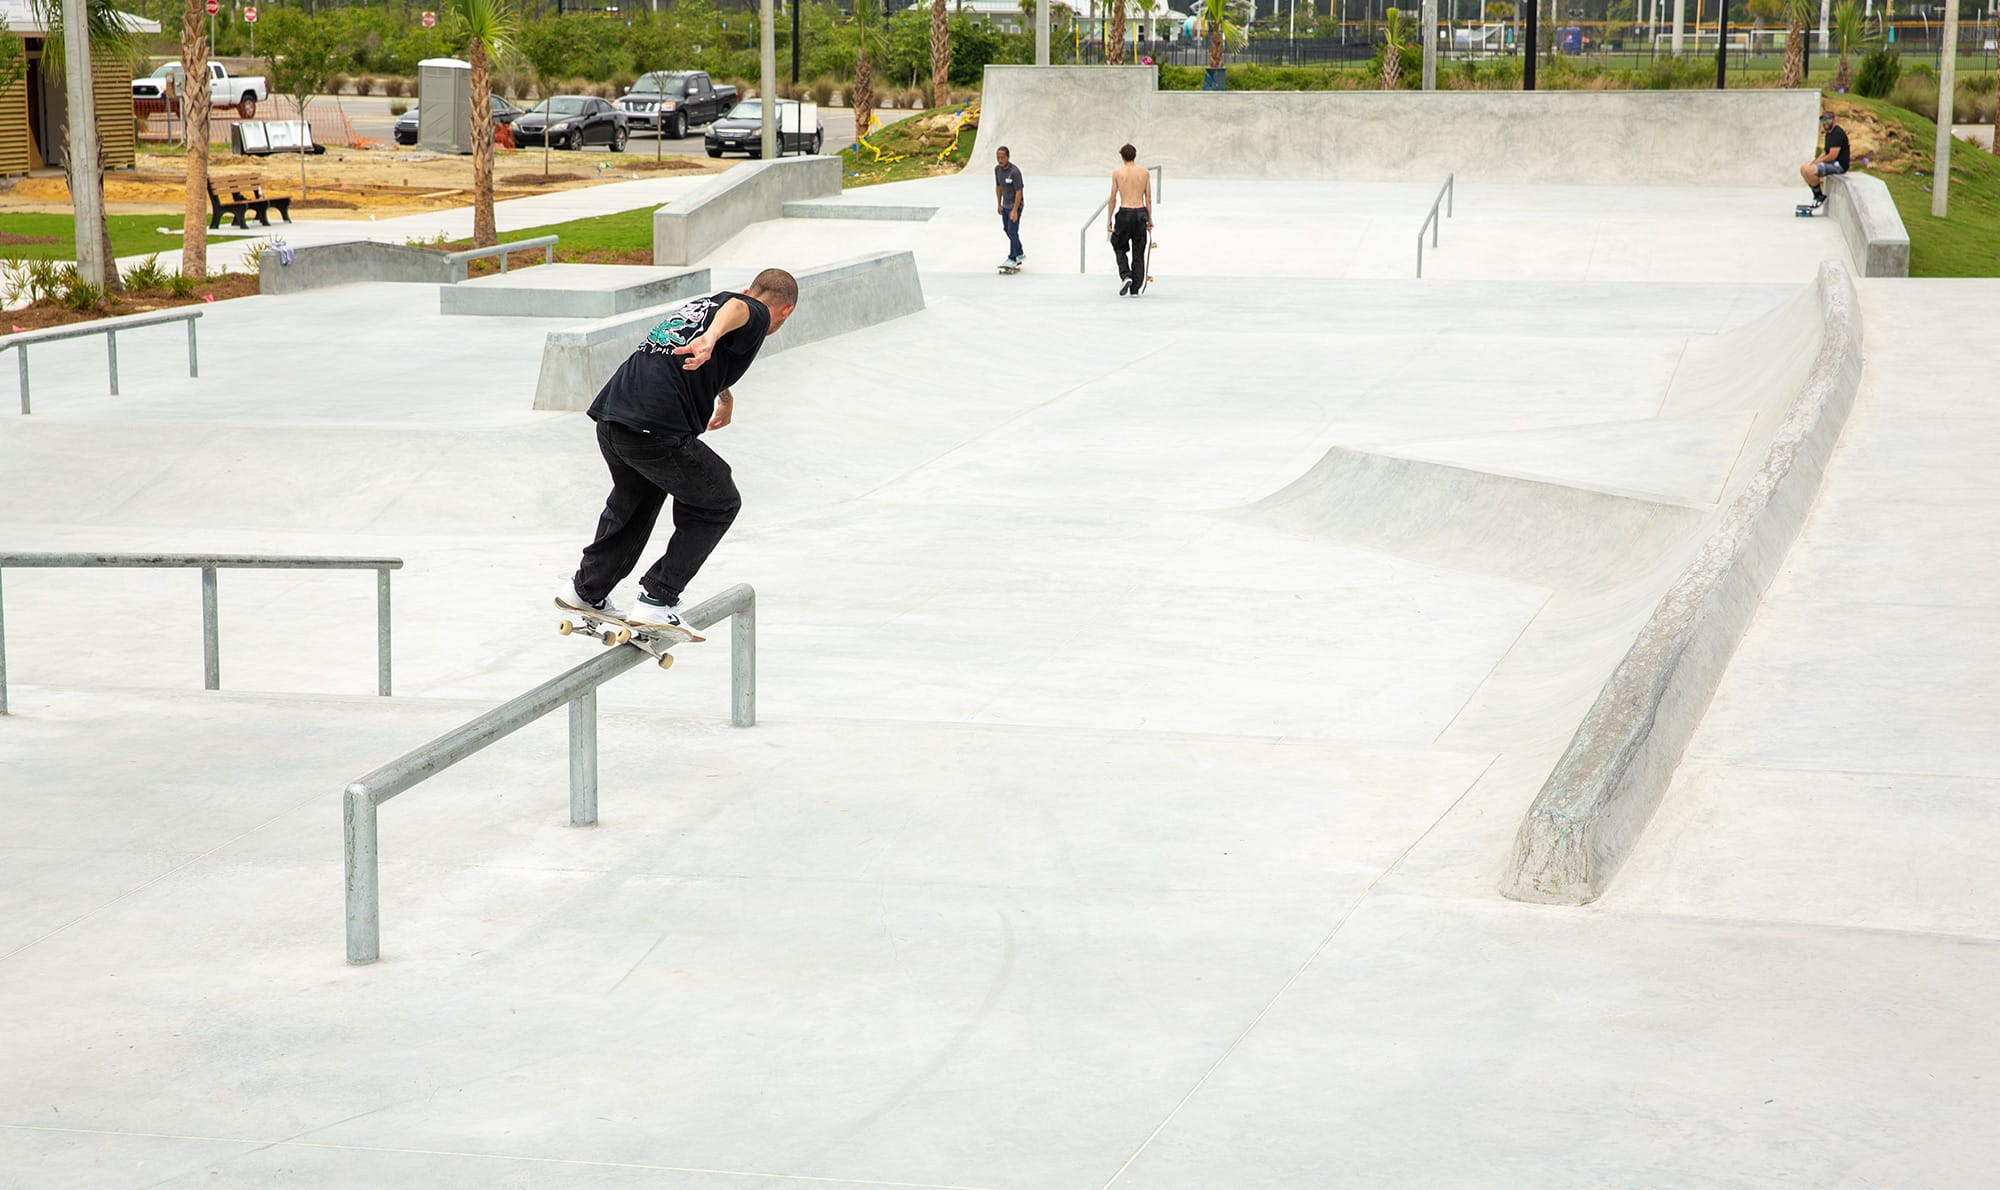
[(181, 285), (822, 90), (79, 294), (395, 86), (147, 274), (398, 108), (1878, 74), (336, 83)]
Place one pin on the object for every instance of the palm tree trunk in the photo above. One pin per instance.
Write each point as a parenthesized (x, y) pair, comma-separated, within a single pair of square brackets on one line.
[(484, 235), (861, 95), (1794, 71), (194, 102), (1114, 53), (1392, 66), (1214, 45), (1840, 76), (940, 55)]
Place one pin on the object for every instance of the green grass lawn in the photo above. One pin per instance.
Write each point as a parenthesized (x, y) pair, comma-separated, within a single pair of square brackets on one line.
[(1966, 243), (131, 235), (603, 238)]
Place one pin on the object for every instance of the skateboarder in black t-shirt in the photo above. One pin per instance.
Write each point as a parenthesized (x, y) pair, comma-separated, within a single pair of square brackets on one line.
[(1833, 161), (650, 416)]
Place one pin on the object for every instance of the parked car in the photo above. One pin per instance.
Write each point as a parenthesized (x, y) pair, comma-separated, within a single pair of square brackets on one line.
[(674, 101), (742, 130), (571, 122), (504, 112), (224, 89)]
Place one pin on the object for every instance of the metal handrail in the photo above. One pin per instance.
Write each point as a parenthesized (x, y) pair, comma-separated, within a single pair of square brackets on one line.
[(1446, 195), (208, 564), (460, 262), (576, 689), (1083, 233), (109, 328)]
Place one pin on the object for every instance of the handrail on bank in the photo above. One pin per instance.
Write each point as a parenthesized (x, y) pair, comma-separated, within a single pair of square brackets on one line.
[(460, 262), (1083, 233), (1447, 194), (576, 689), (208, 564), (109, 328)]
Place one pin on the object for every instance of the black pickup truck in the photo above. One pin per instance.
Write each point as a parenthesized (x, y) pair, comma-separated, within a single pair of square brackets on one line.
[(670, 102)]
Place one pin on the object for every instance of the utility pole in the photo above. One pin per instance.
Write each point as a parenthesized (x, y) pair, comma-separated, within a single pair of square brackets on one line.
[(1680, 21), (1041, 32), (794, 6), (1430, 45), (86, 190), (1947, 91), (1722, 47), (767, 61), (1533, 50)]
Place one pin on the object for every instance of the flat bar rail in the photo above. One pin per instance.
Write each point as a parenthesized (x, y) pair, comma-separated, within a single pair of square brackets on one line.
[(1446, 195), (577, 690), (1083, 233), (461, 261), (208, 564), (109, 328)]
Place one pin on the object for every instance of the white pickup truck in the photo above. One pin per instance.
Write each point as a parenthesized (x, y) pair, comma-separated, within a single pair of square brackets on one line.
[(224, 89)]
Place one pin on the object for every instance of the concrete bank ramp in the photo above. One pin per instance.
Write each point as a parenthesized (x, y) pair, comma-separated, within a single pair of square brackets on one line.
[(1070, 120)]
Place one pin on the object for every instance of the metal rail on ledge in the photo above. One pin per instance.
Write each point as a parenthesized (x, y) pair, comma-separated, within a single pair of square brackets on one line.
[(461, 261), (577, 690), (1446, 195), (208, 564)]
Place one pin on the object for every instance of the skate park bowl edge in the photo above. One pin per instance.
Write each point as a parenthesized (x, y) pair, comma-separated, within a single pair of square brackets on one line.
[(1630, 138)]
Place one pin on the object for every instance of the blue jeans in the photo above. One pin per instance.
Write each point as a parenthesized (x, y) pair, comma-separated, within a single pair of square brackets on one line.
[(1011, 223)]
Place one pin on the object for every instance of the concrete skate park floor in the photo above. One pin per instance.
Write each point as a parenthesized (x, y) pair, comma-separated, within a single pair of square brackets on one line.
[(1095, 832)]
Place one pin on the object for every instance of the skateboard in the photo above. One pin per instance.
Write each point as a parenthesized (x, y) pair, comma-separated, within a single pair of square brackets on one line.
[(1807, 210), (1008, 270), (614, 631), (1152, 250)]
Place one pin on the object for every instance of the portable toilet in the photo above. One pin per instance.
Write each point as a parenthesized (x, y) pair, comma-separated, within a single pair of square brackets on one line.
[(444, 105)]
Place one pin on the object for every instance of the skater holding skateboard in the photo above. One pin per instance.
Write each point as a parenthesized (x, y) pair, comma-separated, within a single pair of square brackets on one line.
[(1129, 219), (650, 417), (1833, 161), (1007, 189)]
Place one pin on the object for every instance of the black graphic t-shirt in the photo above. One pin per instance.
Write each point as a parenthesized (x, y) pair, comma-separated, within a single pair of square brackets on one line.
[(1836, 138), (652, 390)]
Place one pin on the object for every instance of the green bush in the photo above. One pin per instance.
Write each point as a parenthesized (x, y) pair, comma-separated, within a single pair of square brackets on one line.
[(1878, 74), (147, 274)]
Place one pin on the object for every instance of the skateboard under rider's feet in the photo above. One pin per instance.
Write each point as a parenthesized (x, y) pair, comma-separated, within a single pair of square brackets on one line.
[(614, 631)]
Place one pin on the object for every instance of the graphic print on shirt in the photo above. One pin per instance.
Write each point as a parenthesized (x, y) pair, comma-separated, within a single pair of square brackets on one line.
[(681, 327)]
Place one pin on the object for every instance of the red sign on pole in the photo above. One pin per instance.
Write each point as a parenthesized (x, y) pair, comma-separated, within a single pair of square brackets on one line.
[(250, 15), (214, 6), (430, 18)]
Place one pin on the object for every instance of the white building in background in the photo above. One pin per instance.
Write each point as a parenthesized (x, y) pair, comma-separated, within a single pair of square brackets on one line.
[(1007, 15)]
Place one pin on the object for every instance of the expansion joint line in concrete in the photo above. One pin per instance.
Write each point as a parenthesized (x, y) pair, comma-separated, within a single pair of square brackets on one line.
[(1340, 924)]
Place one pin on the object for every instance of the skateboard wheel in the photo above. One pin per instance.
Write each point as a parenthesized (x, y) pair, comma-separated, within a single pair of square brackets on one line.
[(610, 639), (666, 661), (565, 628), (619, 637)]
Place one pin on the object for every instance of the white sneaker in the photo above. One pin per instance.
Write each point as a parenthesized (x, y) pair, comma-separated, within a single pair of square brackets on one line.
[(647, 614), (568, 598)]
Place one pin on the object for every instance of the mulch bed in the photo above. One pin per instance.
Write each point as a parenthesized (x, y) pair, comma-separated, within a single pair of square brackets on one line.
[(8, 237), (37, 317)]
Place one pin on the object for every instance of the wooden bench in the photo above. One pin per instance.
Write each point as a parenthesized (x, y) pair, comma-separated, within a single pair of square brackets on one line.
[(240, 206)]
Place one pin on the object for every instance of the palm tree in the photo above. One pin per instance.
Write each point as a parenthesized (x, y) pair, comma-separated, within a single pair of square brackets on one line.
[(489, 28), (940, 55), (1850, 33), (1798, 17), (194, 125), (861, 96), (1114, 41), (1396, 30), (1215, 13), (109, 40)]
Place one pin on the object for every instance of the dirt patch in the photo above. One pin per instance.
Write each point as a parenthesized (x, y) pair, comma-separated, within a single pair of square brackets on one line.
[(345, 182), (8, 237), (47, 314)]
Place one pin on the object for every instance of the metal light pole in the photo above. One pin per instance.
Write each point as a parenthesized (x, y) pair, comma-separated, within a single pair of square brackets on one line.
[(1533, 50), (85, 191), (794, 6), (1430, 45), (767, 60), (1041, 32), (1722, 47), (1947, 92), (1680, 22)]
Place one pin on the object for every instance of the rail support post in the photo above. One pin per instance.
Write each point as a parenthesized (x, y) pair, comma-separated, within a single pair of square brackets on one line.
[(211, 633), (3, 656), (21, 351), (743, 665), (111, 352), (381, 629), (194, 357), (583, 759), (364, 884)]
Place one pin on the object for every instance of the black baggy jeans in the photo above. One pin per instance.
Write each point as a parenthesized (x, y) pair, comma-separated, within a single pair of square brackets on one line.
[(1128, 233), (647, 469)]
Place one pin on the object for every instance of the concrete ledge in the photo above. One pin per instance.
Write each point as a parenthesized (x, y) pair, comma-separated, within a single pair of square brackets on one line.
[(833, 300), (359, 261), (1596, 804), (571, 290), (1653, 138), (1876, 239), (847, 210), (693, 227)]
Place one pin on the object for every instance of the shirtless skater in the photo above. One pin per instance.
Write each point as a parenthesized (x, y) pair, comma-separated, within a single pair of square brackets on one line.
[(650, 417), (1129, 219)]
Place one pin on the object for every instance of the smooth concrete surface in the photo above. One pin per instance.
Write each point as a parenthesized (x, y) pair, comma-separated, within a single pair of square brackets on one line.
[(571, 290), (846, 207), (1148, 703), (1619, 138), (687, 231), (833, 300), (1612, 777), (356, 263), (1877, 242)]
